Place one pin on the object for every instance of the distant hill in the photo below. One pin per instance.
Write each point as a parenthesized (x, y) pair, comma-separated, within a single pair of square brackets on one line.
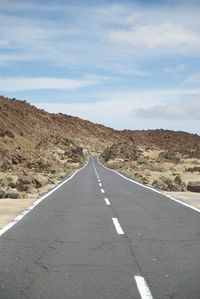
[(24, 125), (35, 141)]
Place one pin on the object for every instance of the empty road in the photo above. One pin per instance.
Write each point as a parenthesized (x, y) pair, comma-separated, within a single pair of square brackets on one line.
[(102, 236)]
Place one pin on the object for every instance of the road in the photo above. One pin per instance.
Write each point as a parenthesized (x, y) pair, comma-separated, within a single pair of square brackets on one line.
[(102, 236)]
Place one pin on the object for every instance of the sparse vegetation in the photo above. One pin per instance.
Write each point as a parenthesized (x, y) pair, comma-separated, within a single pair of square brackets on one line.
[(10, 179), (44, 147), (142, 161)]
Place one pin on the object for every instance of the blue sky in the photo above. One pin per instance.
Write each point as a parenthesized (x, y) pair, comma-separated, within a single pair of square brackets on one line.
[(124, 64)]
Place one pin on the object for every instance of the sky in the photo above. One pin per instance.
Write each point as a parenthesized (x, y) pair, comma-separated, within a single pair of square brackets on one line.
[(125, 64)]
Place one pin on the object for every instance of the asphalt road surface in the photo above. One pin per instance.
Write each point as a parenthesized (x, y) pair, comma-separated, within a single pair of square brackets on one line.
[(102, 236)]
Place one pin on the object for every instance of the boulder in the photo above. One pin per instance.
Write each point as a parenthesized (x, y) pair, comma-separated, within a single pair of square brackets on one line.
[(193, 169), (2, 194), (160, 185), (178, 184), (12, 185), (178, 180), (121, 150), (23, 183), (40, 181), (15, 160), (145, 180), (6, 165), (174, 187), (10, 193), (193, 186), (169, 156), (9, 133)]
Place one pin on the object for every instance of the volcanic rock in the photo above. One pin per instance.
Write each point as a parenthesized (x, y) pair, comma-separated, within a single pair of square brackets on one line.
[(158, 184), (24, 183), (10, 193), (193, 186), (2, 193), (40, 180), (125, 150)]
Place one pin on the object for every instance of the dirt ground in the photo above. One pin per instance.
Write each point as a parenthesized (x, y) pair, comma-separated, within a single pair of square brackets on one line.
[(190, 198), (10, 208)]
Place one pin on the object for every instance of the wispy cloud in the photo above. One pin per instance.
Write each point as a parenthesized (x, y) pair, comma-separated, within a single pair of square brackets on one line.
[(114, 108), (110, 48), (175, 69), (194, 79), (188, 108), (166, 35), (20, 84), (82, 39)]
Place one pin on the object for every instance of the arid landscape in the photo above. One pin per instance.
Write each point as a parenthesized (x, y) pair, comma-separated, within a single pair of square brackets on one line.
[(39, 149)]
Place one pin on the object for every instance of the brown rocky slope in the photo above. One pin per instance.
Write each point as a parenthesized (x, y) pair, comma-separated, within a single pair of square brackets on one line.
[(38, 148)]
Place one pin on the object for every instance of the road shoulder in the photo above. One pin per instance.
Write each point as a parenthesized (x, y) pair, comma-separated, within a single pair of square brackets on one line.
[(190, 198)]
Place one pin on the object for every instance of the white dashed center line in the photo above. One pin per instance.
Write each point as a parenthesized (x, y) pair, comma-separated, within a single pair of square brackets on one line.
[(117, 226), (143, 288), (107, 201)]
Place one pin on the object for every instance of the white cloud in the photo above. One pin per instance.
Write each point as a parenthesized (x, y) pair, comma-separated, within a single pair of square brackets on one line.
[(114, 109), (132, 18), (19, 84), (194, 79), (166, 35), (74, 37), (175, 69), (188, 108)]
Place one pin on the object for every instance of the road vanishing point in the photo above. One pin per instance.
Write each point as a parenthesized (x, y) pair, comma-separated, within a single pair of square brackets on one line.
[(99, 235)]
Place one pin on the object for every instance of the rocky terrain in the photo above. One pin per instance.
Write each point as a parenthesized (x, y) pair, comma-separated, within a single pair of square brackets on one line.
[(166, 160), (38, 149)]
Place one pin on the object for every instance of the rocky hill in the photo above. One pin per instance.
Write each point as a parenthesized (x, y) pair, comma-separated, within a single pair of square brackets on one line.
[(38, 148)]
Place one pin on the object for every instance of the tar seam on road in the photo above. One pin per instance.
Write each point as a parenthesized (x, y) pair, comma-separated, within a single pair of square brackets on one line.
[(19, 217), (117, 226), (152, 189), (143, 288)]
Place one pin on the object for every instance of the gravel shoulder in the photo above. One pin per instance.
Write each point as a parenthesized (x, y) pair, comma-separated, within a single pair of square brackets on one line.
[(10, 208), (190, 198)]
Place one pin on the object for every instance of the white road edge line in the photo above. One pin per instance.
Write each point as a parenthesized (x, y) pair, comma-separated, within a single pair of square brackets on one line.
[(102, 191), (143, 288), (25, 212), (152, 189), (107, 201), (117, 226), (100, 185)]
